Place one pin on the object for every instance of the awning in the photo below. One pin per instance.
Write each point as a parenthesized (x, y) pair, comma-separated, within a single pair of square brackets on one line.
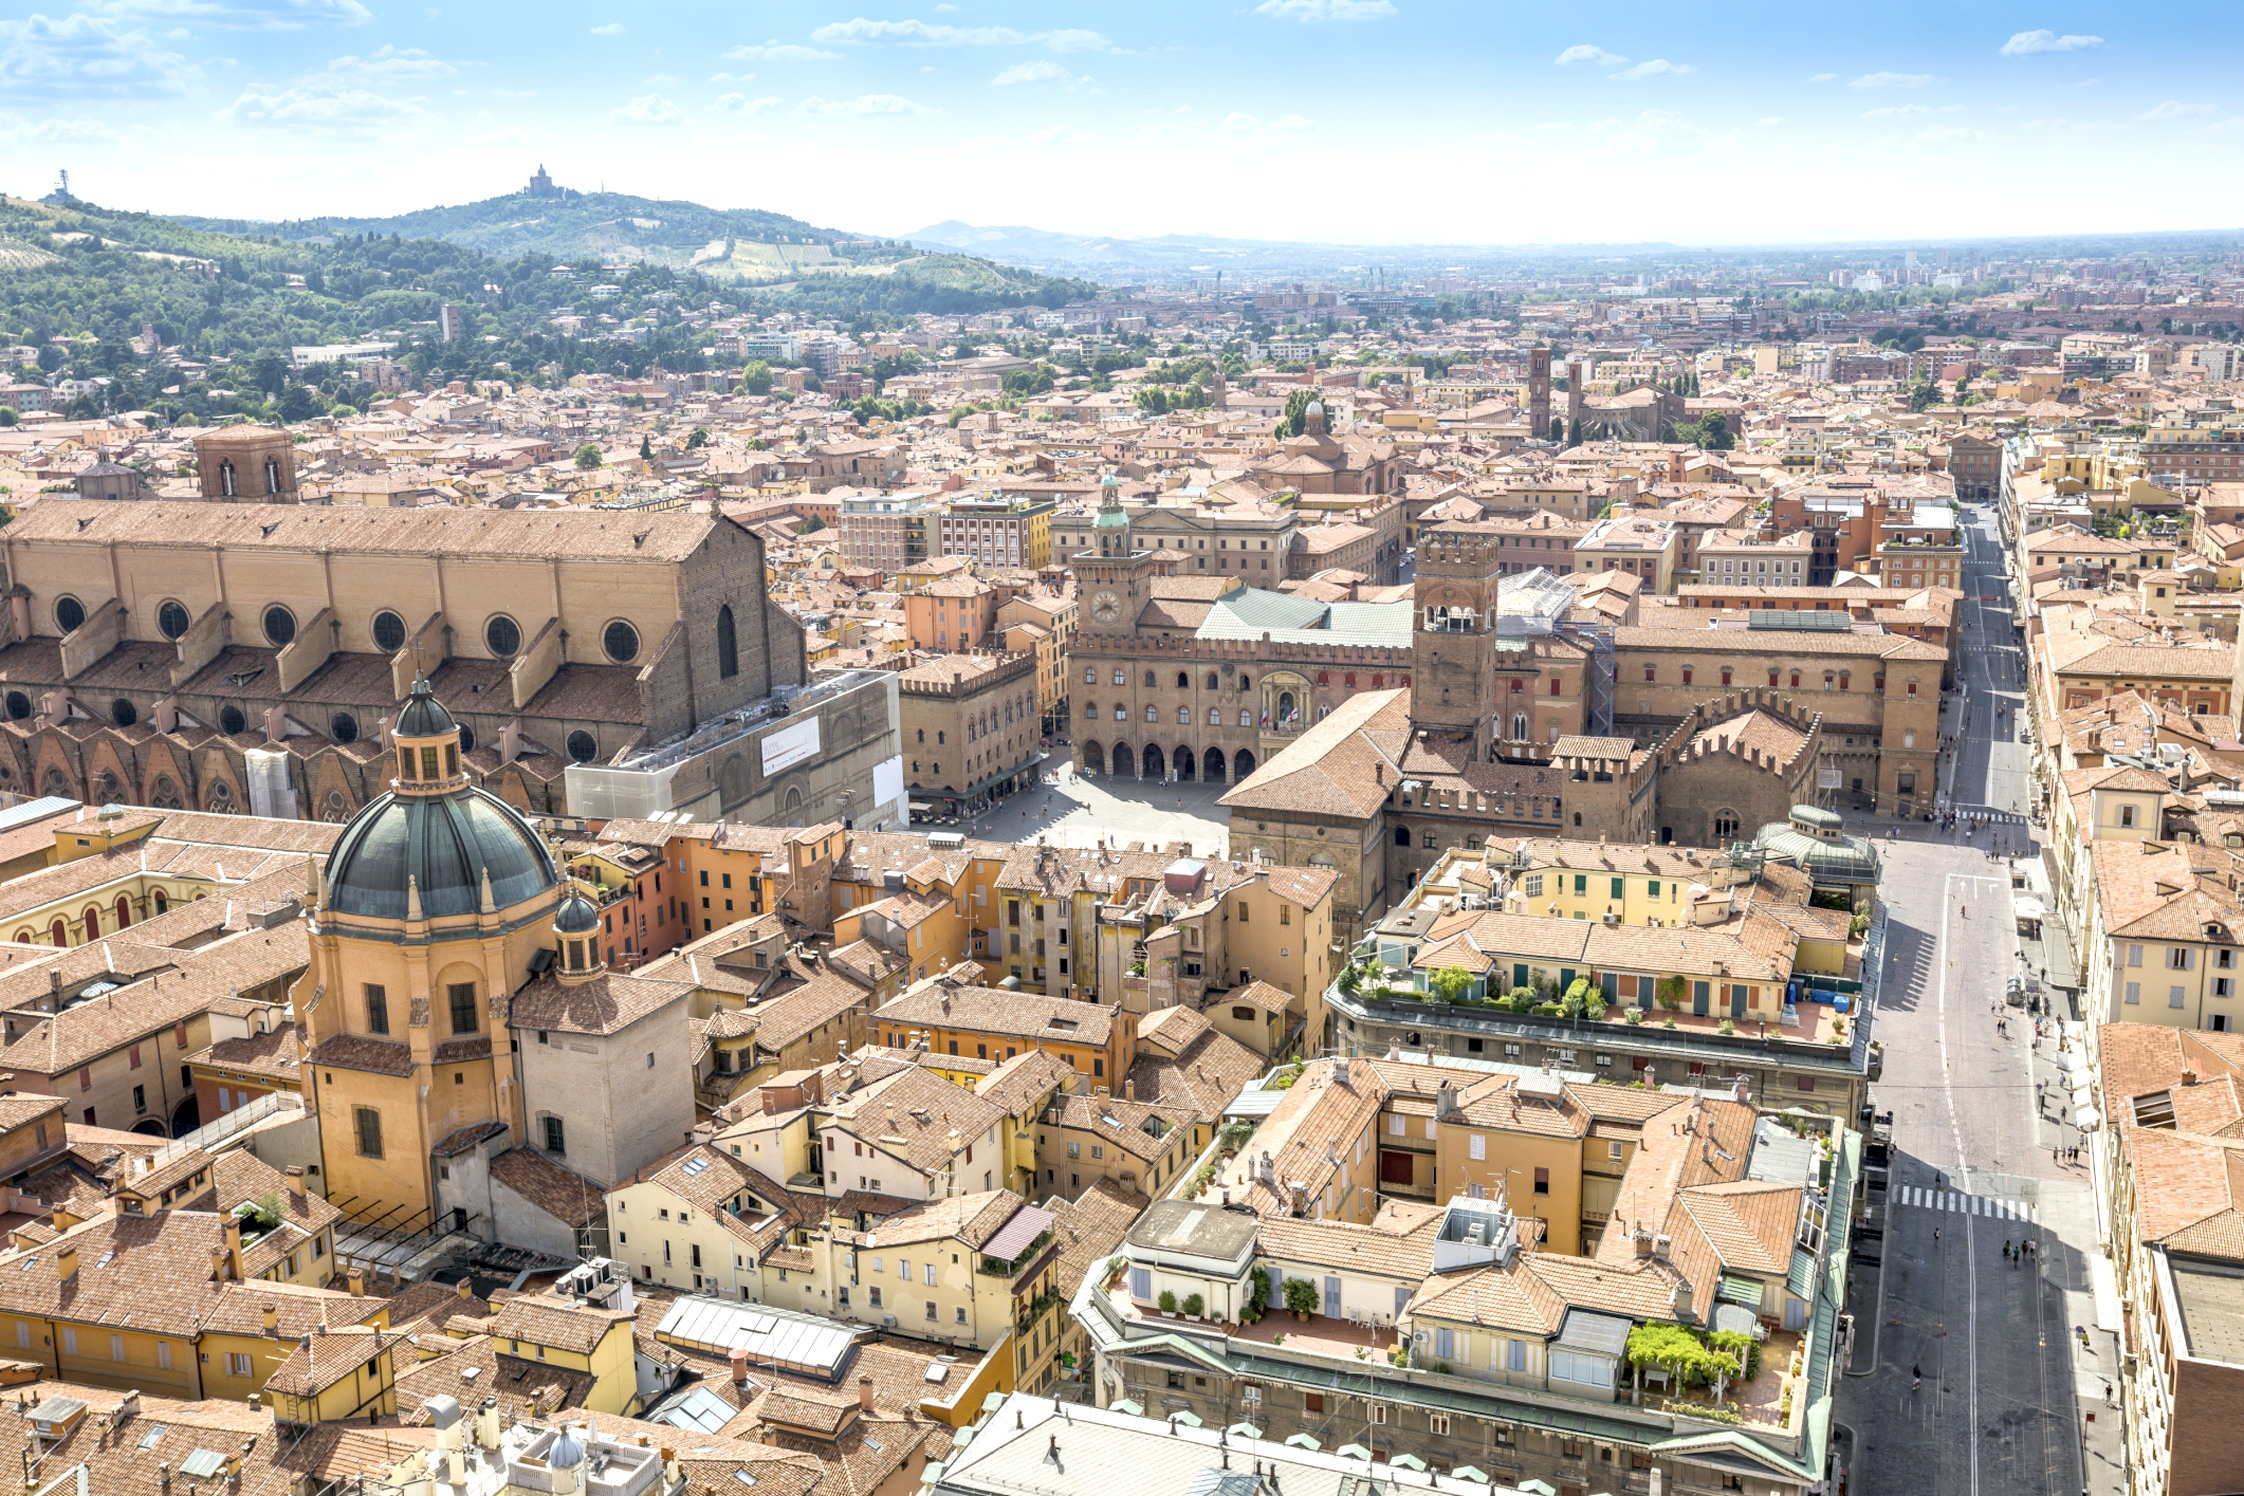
[(1738, 1290), (1408, 1462), (1358, 1452), (1469, 1472), (1186, 1417), (1244, 1431), (1303, 1441), (2090, 1119), (2028, 907), (1127, 1405)]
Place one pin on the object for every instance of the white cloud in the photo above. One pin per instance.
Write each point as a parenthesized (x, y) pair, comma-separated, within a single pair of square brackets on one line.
[(648, 109), (245, 15), (732, 77), (2173, 110), (1291, 122), (737, 103), (514, 93), (659, 80), (320, 102), (1891, 80), (1312, 11), (1904, 111), (1589, 52), (774, 51), (1768, 124), (1824, 78), (612, 28), (394, 62), (863, 104), (1655, 68), (923, 34), (78, 130), (2027, 43), (83, 56), (1042, 70), (1237, 123)]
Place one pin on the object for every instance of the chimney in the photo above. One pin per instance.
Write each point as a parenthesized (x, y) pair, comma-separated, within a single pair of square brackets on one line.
[(1683, 1309), (233, 1247), (466, 1289), (1662, 1245), (358, 1282), (66, 1263), (740, 1366), (865, 1395), (272, 1320), (1129, 1089), (1643, 1243), (2189, 1077), (295, 1173)]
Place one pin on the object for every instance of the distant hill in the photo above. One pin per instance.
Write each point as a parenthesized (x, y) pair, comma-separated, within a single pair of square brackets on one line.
[(612, 227)]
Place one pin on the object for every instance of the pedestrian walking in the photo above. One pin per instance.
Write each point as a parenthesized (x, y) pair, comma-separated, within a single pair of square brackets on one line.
[(2006, 1249), (1916, 1377), (1936, 1236)]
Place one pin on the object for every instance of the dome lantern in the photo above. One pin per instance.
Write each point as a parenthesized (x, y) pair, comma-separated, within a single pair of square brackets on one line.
[(427, 743), (576, 939)]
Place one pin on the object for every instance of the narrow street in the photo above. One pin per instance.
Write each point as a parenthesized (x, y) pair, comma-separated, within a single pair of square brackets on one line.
[(1942, 1288)]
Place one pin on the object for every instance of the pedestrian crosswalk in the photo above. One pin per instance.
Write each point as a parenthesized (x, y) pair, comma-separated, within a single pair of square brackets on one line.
[(1962, 1204)]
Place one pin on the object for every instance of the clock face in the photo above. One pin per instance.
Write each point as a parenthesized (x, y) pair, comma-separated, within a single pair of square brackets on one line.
[(1105, 608)]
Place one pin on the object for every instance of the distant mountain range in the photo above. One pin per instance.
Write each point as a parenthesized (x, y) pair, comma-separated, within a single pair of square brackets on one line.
[(740, 243), (1045, 249)]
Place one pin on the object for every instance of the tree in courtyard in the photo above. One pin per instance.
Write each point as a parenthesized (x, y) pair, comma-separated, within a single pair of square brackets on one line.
[(588, 456)]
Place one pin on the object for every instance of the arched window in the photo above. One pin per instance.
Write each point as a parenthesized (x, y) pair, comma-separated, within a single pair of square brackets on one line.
[(1726, 826), (1402, 836), (124, 911), (1518, 686), (728, 645), (1246, 683), (1152, 713), (1795, 680), (1211, 680), (1519, 727), (1184, 716), (58, 933), (1246, 717), (1324, 677), (1844, 677), (1215, 716), (1184, 681), (225, 480), (92, 921), (1149, 679), (1090, 675), (1090, 712), (1121, 712)]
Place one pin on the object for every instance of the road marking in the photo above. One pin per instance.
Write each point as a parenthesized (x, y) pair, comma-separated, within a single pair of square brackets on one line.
[(1955, 1127), (1918, 1197)]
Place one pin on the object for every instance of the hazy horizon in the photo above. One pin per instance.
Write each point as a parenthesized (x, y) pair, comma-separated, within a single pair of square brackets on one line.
[(1373, 123)]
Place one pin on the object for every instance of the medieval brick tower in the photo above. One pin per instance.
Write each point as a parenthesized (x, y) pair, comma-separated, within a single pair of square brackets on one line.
[(1453, 644), (1539, 392), (247, 465)]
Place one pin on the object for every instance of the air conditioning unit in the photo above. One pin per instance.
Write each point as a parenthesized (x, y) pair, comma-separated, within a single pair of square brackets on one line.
[(1611, 918)]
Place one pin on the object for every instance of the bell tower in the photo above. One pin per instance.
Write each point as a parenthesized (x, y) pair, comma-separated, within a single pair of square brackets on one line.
[(1453, 639)]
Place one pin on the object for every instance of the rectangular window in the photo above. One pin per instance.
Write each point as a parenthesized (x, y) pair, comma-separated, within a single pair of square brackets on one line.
[(377, 1009), (1477, 1146), (163, 1354), (2173, 997), (1515, 1355), (462, 995), (237, 1364), (554, 1137), (2134, 992), (930, 1269), (369, 1133), (132, 1058), (2134, 955), (116, 1347), (69, 1341)]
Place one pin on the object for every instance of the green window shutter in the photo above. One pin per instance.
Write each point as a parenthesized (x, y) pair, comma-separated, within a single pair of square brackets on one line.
[(1620, 888), (1701, 995), (1519, 973)]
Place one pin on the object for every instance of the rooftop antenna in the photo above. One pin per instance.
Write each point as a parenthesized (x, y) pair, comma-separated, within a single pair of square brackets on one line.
[(64, 189)]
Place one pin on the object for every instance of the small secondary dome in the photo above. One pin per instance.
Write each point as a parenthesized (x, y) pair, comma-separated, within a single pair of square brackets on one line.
[(565, 1452), (576, 916)]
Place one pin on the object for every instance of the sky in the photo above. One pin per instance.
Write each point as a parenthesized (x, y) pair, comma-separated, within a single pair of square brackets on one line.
[(1350, 121)]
